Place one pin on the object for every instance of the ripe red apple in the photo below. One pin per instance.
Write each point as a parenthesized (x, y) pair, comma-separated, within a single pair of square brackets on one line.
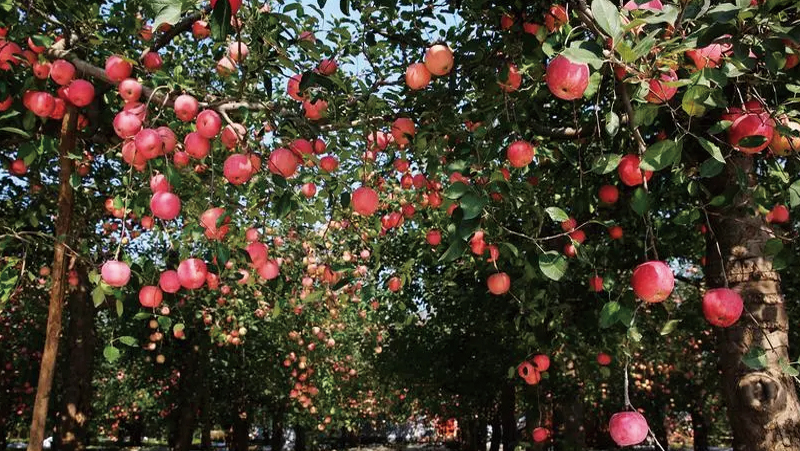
[(80, 93), (751, 124), (152, 61), (660, 91), (283, 162), (541, 362), (18, 168), (433, 237), (327, 67), (365, 201), (237, 169), (603, 359), (394, 284), (709, 56), (309, 190), (499, 283), (269, 270), (520, 153), (328, 163), (238, 51), (608, 194), (628, 428), (417, 76), (403, 129), (439, 59), (209, 220), (42, 104), (506, 21), (653, 281), (200, 29), (629, 171), (165, 205), (115, 273), (293, 87), (168, 139), (569, 224), (168, 281), (596, 283), (778, 215), (234, 4), (615, 232), (555, 18), (130, 90), (150, 296), (540, 434), (196, 145), (117, 68), (565, 79), (512, 81), (578, 236), (148, 143), (192, 273), (722, 307), (6, 104), (208, 124), (315, 110), (41, 70), (180, 159), (62, 72), (127, 124), (186, 107)]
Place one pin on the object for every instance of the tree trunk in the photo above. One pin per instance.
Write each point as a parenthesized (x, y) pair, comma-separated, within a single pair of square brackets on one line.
[(508, 416), (241, 430), (497, 432), (762, 403), (299, 438), (189, 399), (276, 439), (699, 428), (77, 396), (62, 227)]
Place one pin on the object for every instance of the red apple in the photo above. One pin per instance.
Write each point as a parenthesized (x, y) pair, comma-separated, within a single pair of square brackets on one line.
[(116, 273), (130, 90), (117, 68), (62, 72), (660, 91), (540, 434), (778, 215), (196, 145), (653, 281), (629, 171), (433, 237), (722, 306), (628, 428), (596, 283), (541, 362), (751, 124), (394, 284), (165, 205), (192, 273), (417, 76), (608, 194), (309, 190), (439, 59), (283, 162), (237, 169), (402, 130), (603, 359), (615, 232), (186, 107), (520, 153), (565, 79), (499, 283), (365, 201), (209, 123), (513, 79), (150, 296)]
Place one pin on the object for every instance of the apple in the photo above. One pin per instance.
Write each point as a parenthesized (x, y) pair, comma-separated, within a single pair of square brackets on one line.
[(603, 359), (6, 104), (117, 68), (629, 171), (168, 139), (309, 190), (403, 129), (18, 168), (209, 123), (237, 169), (130, 90), (293, 87), (196, 145), (127, 124), (234, 4), (42, 104), (200, 29), (433, 237), (269, 270), (315, 110), (115, 273), (506, 21), (578, 236), (608, 194), (238, 51), (783, 145), (660, 91), (169, 282), (186, 107), (180, 159), (59, 109), (394, 284), (328, 163), (439, 59), (540, 434), (210, 219), (327, 67), (709, 56), (62, 72), (778, 215), (555, 18), (41, 70), (653, 281), (569, 224), (365, 201), (751, 123), (417, 76), (148, 143), (192, 273), (499, 283), (283, 162), (379, 140), (541, 362), (513, 79), (150, 296), (654, 5), (615, 232), (531, 28), (165, 205), (520, 153), (152, 61), (722, 307), (565, 79), (596, 283), (628, 428)]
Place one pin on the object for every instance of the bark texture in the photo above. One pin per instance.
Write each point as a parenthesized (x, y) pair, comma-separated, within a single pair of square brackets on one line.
[(60, 264), (77, 397), (762, 403)]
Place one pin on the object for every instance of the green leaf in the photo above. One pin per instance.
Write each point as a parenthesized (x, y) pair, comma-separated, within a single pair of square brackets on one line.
[(128, 341), (756, 358), (640, 202), (783, 259), (579, 55), (711, 168), (794, 194), (787, 368), (98, 296), (556, 214), (660, 155), (472, 205), (693, 98), (344, 6), (773, 246), (607, 16), (609, 314), (119, 308), (456, 190), (612, 123), (553, 265), (166, 11), (606, 163), (15, 131), (111, 354), (669, 326), (164, 322), (221, 21), (719, 127), (634, 334), (454, 251), (712, 149), (142, 315)]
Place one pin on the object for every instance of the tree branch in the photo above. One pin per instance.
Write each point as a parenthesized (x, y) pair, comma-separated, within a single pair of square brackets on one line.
[(184, 24)]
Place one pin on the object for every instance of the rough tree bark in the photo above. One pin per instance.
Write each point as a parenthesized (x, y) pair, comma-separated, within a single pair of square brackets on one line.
[(62, 228), (762, 403), (77, 396)]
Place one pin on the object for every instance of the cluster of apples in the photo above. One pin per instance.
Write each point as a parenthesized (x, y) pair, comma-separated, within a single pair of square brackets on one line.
[(531, 370), (438, 61)]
